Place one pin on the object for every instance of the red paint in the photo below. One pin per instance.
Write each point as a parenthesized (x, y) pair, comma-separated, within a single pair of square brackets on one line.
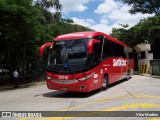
[(43, 47), (115, 72), (90, 45)]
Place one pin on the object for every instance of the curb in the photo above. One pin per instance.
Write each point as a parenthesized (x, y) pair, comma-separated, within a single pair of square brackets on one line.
[(32, 84), (148, 75)]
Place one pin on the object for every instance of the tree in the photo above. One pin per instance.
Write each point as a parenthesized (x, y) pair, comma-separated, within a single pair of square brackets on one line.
[(20, 23), (45, 5), (146, 29), (143, 6), (25, 26), (123, 34)]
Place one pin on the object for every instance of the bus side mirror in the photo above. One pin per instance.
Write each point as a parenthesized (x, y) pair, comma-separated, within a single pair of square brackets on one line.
[(90, 45), (41, 50)]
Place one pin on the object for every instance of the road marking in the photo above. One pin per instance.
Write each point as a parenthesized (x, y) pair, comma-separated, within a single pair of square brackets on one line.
[(147, 96), (90, 114), (154, 119), (111, 98), (116, 108), (96, 101)]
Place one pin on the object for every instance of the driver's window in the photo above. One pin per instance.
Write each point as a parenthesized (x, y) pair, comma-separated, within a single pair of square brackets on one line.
[(96, 54)]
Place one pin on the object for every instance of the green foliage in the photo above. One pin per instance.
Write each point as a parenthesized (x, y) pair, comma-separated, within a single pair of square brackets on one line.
[(26, 25), (144, 6), (146, 29)]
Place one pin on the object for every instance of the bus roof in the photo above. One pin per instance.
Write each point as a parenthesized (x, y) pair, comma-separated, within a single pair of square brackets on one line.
[(87, 34)]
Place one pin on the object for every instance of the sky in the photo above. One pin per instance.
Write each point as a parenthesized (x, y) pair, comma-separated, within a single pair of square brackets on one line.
[(100, 15)]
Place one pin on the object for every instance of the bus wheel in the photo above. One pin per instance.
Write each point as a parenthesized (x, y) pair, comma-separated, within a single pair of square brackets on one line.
[(105, 83)]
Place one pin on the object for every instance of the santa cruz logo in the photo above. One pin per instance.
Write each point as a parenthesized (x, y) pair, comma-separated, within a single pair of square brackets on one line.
[(119, 62)]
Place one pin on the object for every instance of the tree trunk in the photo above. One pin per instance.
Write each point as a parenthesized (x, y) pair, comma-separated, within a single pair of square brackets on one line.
[(24, 57)]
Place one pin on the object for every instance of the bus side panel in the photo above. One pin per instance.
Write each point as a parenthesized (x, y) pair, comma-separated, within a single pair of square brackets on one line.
[(131, 66), (98, 76), (124, 69), (116, 71)]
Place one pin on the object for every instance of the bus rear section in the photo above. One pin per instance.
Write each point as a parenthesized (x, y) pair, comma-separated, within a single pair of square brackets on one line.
[(84, 61)]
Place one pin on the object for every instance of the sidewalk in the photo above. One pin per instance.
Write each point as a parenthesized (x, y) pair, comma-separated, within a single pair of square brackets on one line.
[(148, 75), (5, 88)]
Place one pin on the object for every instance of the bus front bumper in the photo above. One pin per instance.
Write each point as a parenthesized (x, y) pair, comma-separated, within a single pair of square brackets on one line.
[(77, 86)]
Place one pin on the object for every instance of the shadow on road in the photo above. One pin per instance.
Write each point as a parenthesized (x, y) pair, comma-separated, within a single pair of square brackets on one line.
[(65, 94), (118, 82)]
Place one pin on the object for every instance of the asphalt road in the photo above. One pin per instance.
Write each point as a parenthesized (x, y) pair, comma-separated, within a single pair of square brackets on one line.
[(139, 93)]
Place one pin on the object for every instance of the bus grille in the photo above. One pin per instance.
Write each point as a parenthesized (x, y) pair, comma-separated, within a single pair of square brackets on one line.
[(64, 81)]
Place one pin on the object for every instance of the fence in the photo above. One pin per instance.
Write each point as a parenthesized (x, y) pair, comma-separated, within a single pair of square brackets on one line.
[(155, 67), (6, 79)]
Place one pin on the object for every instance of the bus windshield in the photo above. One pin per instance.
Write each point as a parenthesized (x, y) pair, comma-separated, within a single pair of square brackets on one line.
[(68, 56)]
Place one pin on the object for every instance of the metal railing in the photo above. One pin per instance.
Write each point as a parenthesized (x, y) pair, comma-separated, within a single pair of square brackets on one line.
[(155, 67)]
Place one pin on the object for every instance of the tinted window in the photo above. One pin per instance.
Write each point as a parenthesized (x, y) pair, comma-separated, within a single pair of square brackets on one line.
[(112, 49), (69, 56)]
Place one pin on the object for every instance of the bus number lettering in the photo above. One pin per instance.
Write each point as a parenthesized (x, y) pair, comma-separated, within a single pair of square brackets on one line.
[(119, 62)]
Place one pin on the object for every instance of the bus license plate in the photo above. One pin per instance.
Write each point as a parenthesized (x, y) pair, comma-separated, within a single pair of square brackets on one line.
[(65, 89)]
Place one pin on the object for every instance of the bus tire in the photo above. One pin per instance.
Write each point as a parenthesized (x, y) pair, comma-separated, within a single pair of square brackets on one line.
[(104, 83)]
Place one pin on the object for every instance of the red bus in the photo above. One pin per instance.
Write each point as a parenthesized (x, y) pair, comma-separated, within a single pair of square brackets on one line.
[(85, 61)]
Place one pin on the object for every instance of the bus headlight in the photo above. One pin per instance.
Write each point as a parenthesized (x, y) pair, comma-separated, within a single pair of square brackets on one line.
[(48, 78), (84, 78)]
